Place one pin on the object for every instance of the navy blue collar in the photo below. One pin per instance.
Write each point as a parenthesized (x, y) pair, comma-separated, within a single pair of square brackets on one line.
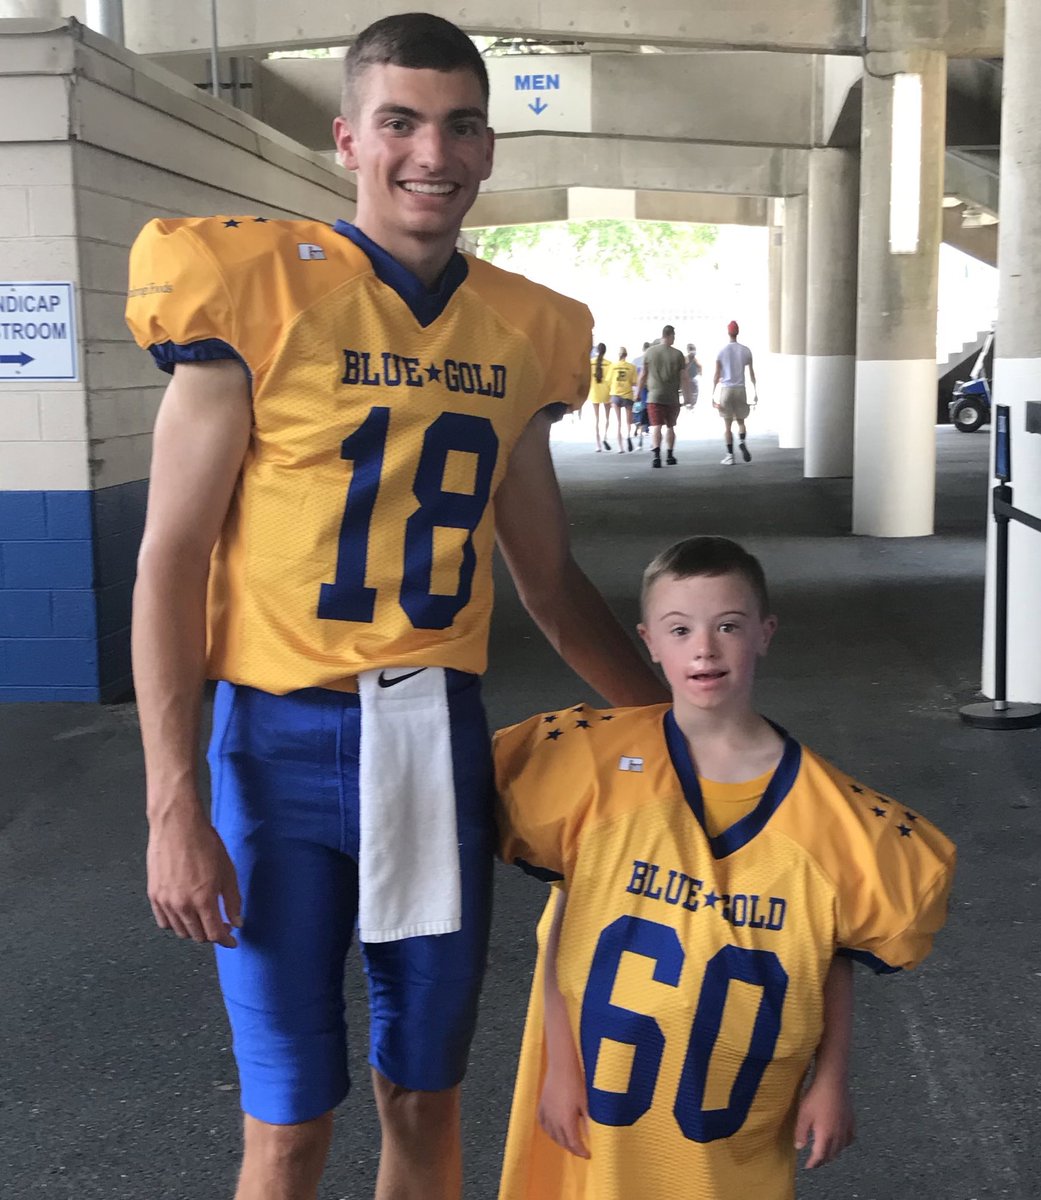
[(741, 832), (426, 304)]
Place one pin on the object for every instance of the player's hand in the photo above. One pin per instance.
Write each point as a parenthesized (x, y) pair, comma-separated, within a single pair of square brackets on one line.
[(825, 1117), (189, 873), (563, 1109)]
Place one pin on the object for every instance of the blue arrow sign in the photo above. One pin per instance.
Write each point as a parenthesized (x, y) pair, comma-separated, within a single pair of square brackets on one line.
[(539, 107), (22, 360)]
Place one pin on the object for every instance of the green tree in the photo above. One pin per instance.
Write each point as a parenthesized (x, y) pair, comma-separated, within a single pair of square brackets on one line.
[(637, 248)]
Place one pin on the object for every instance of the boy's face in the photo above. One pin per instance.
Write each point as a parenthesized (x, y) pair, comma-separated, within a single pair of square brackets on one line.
[(707, 633), (420, 144)]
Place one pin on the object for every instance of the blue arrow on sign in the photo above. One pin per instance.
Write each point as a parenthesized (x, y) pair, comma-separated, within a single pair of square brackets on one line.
[(539, 107), (22, 359)]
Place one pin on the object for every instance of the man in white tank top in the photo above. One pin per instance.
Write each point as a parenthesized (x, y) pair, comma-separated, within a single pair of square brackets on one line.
[(732, 403)]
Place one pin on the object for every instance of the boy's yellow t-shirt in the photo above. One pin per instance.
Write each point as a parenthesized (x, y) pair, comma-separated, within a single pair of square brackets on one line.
[(727, 803), (698, 934)]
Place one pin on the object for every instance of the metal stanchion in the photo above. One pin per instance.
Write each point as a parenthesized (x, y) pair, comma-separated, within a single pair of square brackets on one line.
[(999, 713)]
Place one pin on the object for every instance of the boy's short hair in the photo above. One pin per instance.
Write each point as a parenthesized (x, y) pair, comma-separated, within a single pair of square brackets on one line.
[(707, 556), (419, 41)]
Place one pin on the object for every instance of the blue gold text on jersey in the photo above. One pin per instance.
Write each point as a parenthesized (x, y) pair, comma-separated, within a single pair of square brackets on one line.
[(680, 889), (362, 368)]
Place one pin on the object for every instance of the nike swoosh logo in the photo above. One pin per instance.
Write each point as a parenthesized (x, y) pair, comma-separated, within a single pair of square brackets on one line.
[(383, 681)]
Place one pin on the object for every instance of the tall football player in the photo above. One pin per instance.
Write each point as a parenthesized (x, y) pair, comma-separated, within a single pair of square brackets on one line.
[(356, 413)]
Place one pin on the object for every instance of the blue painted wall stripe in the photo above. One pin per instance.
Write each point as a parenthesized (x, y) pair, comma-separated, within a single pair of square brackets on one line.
[(67, 565)]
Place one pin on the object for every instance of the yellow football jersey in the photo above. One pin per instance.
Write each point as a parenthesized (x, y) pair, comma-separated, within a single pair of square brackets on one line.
[(693, 966), (362, 529), (623, 379), (600, 390)]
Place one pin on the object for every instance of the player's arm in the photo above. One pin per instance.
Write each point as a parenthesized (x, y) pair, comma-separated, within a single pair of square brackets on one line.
[(685, 386), (751, 375), (532, 532), (718, 375), (826, 1109), (563, 1105), (641, 379), (201, 435)]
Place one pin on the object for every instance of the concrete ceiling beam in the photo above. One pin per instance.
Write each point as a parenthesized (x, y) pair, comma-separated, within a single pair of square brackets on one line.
[(971, 28)]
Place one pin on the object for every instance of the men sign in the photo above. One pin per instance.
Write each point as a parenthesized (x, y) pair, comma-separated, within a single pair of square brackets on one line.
[(541, 93), (37, 332)]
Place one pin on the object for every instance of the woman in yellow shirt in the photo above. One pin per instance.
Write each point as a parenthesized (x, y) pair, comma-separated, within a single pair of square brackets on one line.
[(600, 393), (623, 380)]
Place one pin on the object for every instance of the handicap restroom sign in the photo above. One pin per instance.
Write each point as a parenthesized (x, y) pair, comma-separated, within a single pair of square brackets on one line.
[(37, 332)]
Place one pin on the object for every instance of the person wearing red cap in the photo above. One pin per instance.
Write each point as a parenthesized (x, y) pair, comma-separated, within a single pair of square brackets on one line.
[(732, 404)]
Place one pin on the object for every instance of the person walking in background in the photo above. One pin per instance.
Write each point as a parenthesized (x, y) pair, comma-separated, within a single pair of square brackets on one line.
[(694, 371), (665, 375), (623, 381), (600, 394), (640, 404), (732, 404)]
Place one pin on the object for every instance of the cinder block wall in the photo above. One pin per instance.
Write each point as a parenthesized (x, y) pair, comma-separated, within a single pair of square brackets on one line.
[(111, 142)]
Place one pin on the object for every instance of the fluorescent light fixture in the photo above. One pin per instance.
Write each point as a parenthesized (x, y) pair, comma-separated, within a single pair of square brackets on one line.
[(905, 180)]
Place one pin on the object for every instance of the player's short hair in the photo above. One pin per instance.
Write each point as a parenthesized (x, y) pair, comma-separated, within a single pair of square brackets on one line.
[(419, 41), (707, 556), (668, 331)]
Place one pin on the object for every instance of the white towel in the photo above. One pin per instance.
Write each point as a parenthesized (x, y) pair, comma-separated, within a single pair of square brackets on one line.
[(408, 868)]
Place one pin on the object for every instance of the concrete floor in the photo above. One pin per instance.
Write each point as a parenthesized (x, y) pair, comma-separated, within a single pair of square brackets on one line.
[(116, 1080)]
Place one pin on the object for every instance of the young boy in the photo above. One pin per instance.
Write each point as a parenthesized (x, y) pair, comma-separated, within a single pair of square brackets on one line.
[(712, 868)]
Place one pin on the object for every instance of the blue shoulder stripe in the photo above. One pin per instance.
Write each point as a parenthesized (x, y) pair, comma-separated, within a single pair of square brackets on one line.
[(168, 354), (869, 960), (542, 873)]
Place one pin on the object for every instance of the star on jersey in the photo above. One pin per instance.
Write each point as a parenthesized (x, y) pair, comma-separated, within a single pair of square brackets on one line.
[(910, 815), (260, 220), (232, 224), (433, 373), (905, 830), (554, 734), (879, 812), (858, 790), (606, 716), (710, 900), (582, 725), (550, 719)]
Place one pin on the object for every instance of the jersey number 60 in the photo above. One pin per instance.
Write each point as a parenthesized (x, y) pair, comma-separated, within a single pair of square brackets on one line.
[(347, 598), (603, 1020)]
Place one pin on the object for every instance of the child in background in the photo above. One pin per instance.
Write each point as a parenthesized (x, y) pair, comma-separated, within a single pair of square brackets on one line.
[(716, 879)]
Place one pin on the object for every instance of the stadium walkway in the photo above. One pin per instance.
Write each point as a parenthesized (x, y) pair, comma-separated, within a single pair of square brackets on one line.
[(115, 1076)]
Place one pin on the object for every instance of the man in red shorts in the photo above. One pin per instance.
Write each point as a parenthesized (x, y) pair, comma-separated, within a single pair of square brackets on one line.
[(665, 375)]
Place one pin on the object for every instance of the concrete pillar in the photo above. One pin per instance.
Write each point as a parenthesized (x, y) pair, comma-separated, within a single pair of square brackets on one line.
[(831, 312), (106, 16), (901, 196), (792, 360), (775, 272), (1017, 367)]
